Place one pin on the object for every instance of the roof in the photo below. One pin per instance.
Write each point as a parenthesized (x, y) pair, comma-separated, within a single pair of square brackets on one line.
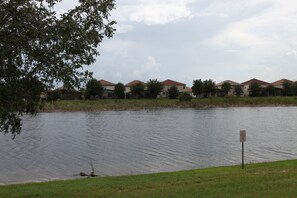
[(134, 82), (106, 83), (254, 80), (188, 89), (280, 82), (172, 83), (232, 83)]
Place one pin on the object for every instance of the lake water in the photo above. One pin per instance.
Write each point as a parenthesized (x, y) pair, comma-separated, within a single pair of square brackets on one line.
[(61, 145)]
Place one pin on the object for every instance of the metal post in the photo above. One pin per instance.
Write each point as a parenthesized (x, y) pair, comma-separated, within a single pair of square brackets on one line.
[(242, 140), (242, 155)]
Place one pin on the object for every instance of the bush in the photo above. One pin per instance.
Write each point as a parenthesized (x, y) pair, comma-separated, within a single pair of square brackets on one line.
[(119, 91), (185, 97), (154, 87), (63, 94), (94, 89), (173, 92)]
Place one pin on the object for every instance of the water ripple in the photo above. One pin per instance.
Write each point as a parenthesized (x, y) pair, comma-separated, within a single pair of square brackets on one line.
[(60, 145)]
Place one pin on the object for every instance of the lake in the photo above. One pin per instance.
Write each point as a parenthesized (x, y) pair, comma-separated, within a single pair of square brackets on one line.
[(61, 145)]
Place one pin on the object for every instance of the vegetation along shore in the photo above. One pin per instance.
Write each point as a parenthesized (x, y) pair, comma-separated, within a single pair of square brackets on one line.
[(132, 104), (273, 179)]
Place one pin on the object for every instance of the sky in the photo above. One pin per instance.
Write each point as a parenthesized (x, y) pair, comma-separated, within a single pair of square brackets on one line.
[(185, 40)]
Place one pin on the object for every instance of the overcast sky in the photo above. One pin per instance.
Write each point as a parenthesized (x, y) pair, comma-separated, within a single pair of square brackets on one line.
[(185, 40)]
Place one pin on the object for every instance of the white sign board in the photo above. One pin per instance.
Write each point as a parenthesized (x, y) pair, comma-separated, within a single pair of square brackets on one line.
[(242, 136)]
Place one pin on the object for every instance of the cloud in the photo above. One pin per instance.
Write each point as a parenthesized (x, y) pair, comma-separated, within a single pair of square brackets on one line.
[(121, 47), (147, 70), (153, 12), (267, 33), (123, 28)]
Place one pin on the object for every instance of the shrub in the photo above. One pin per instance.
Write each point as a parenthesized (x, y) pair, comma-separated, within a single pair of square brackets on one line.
[(154, 87), (94, 89), (173, 92), (119, 91), (185, 97)]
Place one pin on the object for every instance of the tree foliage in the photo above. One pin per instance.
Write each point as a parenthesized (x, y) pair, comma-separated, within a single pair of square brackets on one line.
[(154, 87), (38, 48), (94, 89), (119, 91), (226, 87), (208, 88), (255, 90), (287, 88), (270, 90), (173, 92), (238, 90), (197, 87), (137, 90)]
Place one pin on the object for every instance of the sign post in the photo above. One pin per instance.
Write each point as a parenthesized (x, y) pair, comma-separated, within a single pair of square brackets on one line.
[(242, 140)]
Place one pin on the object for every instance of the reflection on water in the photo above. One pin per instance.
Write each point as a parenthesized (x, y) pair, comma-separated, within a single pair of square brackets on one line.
[(60, 145)]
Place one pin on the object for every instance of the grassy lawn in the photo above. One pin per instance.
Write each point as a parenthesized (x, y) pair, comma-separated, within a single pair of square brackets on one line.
[(112, 104), (275, 179)]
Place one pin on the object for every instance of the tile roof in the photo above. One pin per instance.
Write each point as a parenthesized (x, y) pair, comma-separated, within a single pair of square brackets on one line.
[(260, 82), (188, 89), (134, 82), (106, 83), (169, 82), (280, 82), (232, 83)]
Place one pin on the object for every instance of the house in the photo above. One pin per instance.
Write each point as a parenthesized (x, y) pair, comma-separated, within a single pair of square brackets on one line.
[(170, 83), (278, 85), (130, 84), (231, 92), (246, 85), (108, 89), (189, 91)]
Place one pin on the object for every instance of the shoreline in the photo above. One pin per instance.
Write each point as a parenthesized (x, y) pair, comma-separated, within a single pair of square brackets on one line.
[(139, 104)]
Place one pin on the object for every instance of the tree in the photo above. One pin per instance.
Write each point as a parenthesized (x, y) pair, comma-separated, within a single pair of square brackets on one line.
[(226, 87), (270, 90), (254, 90), (137, 90), (294, 89), (94, 89), (119, 91), (173, 92), (208, 87), (39, 48), (154, 87), (238, 90), (287, 88), (197, 87)]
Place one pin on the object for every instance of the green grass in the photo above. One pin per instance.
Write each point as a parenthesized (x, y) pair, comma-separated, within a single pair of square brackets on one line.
[(112, 104), (275, 179)]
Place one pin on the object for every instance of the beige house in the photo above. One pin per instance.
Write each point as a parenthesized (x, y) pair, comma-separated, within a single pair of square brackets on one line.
[(232, 83), (189, 91), (108, 89), (107, 85), (246, 85), (170, 83), (132, 83), (279, 83)]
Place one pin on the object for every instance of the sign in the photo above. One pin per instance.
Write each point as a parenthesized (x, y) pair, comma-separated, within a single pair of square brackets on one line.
[(242, 136)]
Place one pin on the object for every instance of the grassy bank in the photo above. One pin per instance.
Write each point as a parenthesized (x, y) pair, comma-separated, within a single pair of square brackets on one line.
[(111, 104), (276, 179)]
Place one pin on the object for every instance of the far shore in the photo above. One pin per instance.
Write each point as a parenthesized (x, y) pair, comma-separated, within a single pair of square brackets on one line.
[(136, 104)]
